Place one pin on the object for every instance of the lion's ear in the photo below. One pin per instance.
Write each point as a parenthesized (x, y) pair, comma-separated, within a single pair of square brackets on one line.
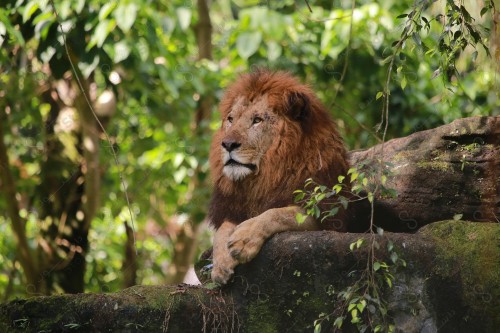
[(299, 106)]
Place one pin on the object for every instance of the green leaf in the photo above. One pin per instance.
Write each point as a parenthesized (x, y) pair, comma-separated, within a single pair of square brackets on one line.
[(29, 10), (337, 188), (3, 30), (248, 43), (125, 16), (122, 51), (370, 197), (87, 67), (474, 56), (354, 176), (483, 11), (317, 328), (401, 16), (344, 202), (43, 23), (300, 196), (394, 257), (361, 306), (100, 34), (457, 217), (403, 83), (333, 211), (80, 4), (416, 39), (376, 266), (338, 322), (341, 179), (379, 94), (300, 218), (354, 315), (317, 212), (106, 10), (184, 16), (274, 50)]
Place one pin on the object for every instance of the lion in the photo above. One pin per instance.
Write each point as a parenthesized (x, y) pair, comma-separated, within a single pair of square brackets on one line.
[(275, 134)]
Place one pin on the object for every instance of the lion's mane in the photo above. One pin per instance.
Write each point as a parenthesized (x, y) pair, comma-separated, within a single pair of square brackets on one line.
[(309, 146)]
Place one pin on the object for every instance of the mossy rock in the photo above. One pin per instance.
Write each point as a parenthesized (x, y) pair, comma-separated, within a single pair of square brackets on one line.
[(467, 261)]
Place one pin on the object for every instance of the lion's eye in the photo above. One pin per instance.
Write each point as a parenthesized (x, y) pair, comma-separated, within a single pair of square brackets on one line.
[(230, 119), (257, 120)]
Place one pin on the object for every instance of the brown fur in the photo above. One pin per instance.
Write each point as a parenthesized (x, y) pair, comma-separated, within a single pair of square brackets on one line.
[(308, 145)]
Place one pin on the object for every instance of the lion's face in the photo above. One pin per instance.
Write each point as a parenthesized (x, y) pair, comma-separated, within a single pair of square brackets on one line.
[(248, 132)]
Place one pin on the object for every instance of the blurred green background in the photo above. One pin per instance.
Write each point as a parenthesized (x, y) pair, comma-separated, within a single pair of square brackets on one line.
[(154, 74)]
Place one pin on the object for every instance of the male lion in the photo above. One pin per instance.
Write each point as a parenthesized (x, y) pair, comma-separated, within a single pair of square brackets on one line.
[(275, 134)]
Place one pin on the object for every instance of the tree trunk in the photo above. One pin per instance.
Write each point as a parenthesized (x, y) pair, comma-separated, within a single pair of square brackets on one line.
[(129, 267), (186, 240), (8, 186)]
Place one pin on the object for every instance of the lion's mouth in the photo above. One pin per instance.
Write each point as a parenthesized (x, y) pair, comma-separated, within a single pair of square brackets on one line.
[(232, 162)]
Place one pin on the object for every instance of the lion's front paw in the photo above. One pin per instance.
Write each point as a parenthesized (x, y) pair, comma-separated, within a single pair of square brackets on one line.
[(221, 275), (223, 268), (245, 242)]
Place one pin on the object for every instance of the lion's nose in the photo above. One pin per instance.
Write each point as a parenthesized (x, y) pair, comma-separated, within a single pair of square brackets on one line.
[(230, 145)]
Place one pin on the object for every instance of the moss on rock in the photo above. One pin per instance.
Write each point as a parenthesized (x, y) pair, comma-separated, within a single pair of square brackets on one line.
[(469, 253)]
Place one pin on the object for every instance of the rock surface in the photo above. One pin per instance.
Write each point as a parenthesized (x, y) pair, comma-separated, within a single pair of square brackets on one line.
[(439, 173), (450, 284)]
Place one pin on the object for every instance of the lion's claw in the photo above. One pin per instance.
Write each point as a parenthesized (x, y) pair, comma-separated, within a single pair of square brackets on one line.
[(235, 253), (221, 275)]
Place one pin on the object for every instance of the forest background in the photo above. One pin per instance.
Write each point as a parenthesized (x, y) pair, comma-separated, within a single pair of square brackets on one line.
[(153, 73)]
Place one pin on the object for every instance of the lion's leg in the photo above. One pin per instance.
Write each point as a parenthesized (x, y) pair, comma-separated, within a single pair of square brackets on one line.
[(224, 263), (248, 237)]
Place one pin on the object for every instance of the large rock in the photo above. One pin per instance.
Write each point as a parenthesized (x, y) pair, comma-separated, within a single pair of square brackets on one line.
[(438, 174), (450, 284)]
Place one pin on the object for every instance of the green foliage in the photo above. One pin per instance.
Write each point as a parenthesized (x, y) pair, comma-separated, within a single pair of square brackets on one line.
[(365, 181), (362, 303)]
